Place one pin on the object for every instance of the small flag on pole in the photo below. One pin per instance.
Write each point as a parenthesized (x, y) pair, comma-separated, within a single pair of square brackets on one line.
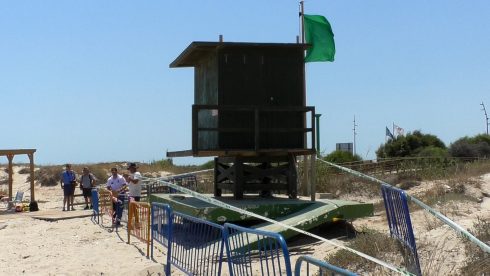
[(389, 134), (318, 32), (398, 130)]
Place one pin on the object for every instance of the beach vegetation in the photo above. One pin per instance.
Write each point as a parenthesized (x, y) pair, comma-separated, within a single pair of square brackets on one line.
[(412, 144)]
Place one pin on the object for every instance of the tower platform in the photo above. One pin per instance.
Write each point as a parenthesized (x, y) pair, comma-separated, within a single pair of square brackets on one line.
[(301, 213)]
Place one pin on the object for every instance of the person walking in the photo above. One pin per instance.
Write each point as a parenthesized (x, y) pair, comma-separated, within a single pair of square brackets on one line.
[(87, 182), (68, 182), (117, 185)]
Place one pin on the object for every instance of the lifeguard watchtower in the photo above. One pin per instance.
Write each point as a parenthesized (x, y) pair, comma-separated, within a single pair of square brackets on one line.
[(250, 112)]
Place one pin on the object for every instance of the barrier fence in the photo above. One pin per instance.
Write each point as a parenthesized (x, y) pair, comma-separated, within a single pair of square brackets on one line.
[(160, 224), (139, 223), (268, 248), (400, 224), (213, 201), (319, 268), (105, 204), (196, 245), (95, 206)]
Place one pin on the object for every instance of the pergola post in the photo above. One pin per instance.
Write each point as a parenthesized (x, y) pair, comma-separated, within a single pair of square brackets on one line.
[(31, 163), (10, 157)]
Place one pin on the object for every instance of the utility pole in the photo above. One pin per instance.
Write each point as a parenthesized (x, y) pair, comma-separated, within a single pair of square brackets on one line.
[(486, 116), (355, 133)]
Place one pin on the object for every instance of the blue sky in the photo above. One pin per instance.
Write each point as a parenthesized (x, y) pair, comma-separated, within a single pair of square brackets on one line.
[(88, 81)]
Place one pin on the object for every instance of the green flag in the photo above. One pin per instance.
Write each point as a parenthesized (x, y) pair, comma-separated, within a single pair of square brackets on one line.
[(318, 32)]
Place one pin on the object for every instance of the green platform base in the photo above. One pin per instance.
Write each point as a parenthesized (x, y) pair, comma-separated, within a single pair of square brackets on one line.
[(300, 213)]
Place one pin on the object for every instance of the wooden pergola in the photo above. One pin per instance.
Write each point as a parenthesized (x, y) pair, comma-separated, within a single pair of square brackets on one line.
[(10, 156)]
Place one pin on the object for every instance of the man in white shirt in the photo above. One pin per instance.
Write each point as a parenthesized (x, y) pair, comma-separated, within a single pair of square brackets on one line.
[(134, 184), (117, 185)]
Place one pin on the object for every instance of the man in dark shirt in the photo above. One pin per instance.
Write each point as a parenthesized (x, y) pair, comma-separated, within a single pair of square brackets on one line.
[(68, 182)]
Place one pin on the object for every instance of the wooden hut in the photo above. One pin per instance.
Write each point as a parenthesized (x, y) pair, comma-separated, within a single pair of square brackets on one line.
[(249, 111)]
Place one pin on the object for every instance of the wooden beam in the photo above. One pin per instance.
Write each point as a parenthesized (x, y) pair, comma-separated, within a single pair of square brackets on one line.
[(180, 153), (16, 151), (243, 153)]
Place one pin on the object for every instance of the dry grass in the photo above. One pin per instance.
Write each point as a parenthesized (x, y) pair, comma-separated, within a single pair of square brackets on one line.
[(432, 255), (457, 175), (50, 175), (372, 243), (453, 184), (431, 222), (478, 261), (331, 180)]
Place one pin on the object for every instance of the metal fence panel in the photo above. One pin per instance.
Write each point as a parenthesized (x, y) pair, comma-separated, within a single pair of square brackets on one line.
[(196, 245), (400, 224), (188, 181), (245, 246), (319, 268), (105, 204), (160, 224), (139, 223), (95, 206)]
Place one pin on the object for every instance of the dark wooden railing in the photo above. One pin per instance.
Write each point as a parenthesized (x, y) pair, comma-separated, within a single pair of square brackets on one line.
[(259, 113)]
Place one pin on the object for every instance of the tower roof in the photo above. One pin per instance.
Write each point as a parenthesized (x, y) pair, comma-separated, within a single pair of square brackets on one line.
[(199, 49)]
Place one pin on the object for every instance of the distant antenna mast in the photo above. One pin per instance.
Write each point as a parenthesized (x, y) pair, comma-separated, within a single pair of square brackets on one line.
[(355, 133), (486, 116)]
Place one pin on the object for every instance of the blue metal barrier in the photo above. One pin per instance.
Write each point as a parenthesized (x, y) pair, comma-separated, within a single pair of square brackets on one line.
[(400, 224), (321, 268), (196, 245), (160, 227), (246, 245), (95, 206)]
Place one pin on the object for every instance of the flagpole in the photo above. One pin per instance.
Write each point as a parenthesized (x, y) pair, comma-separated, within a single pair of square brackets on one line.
[(302, 16), (310, 188)]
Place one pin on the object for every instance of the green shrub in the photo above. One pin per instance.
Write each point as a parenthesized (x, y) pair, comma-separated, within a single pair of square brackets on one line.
[(477, 146), (24, 171), (432, 151), (339, 156), (163, 164), (411, 145), (207, 165)]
